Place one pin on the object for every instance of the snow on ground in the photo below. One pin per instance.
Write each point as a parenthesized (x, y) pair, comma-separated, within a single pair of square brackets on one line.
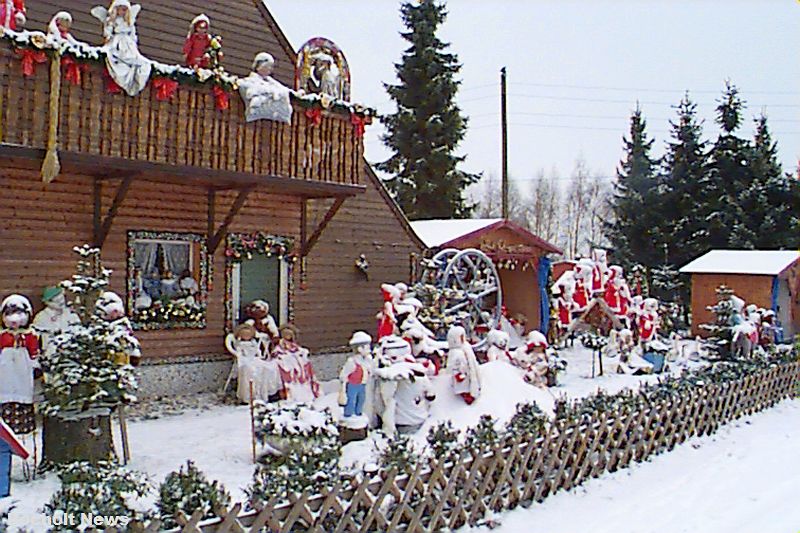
[(745, 478), (218, 439)]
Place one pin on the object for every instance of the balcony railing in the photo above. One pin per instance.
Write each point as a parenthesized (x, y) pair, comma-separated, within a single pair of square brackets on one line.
[(186, 131)]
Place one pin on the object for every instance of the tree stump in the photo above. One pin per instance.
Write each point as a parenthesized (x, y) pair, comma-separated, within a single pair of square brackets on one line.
[(86, 439)]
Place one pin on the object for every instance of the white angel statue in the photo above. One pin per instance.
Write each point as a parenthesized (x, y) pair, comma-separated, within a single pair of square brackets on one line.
[(126, 65)]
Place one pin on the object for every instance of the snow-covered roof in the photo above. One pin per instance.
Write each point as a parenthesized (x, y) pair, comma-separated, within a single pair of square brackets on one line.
[(759, 262), (435, 233)]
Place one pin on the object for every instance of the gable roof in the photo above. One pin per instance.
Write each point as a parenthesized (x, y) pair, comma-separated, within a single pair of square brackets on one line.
[(246, 28), (756, 262), (452, 232)]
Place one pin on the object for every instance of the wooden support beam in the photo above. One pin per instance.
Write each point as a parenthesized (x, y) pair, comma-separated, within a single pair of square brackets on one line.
[(101, 230), (212, 201), (213, 241), (309, 244)]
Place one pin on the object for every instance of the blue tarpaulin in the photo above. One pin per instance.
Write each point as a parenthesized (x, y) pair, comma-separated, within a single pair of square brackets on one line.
[(544, 306), (5, 469), (775, 288)]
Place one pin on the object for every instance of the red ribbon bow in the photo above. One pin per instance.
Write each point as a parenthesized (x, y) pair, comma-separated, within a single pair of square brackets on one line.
[(314, 116), (112, 87), (165, 88), (29, 60), (73, 70), (222, 98), (358, 123)]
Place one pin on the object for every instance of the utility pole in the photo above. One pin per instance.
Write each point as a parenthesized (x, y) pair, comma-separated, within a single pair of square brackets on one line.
[(504, 128)]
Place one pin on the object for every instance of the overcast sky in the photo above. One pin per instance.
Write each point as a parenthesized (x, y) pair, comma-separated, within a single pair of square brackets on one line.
[(576, 69)]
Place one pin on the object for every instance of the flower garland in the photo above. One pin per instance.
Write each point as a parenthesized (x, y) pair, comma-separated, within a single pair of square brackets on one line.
[(180, 313), (222, 82)]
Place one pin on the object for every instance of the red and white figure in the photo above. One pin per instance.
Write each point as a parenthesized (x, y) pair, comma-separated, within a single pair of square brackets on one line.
[(426, 350), (583, 285), (564, 293), (498, 342), (299, 382), (198, 41), (600, 271), (532, 358), (55, 318), (648, 320), (59, 28), (19, 351), (111, 308), (387, 318), (12, 14), (462, 365), (635, 308), (354, 377)]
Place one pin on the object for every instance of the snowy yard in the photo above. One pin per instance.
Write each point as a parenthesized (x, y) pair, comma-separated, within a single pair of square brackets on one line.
[(218, 439), (744, 478)]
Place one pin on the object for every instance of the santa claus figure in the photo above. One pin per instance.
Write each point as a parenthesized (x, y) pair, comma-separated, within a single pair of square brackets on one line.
[(387, 318), (564, 291), (59, 28), (424, 347), (55, 318), (12, 14), (648, 320), (583, 283), (462, 365), (111, 308), (201, 48), (599, 271), (19, 349), (299, 382), (498, 347)]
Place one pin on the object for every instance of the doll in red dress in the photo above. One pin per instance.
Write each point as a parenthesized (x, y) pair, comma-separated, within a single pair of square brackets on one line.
[(202, 50)]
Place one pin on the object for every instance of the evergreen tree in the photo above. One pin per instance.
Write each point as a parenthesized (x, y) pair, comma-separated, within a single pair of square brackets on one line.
[(770, 202), (634, 231), (730, 178), (428, 126), (684, 199)]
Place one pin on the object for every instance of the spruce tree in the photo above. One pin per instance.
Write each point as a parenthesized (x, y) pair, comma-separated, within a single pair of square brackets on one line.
[(428, 126), (730, 178), (684, 182), (633, 233), (769, 203)]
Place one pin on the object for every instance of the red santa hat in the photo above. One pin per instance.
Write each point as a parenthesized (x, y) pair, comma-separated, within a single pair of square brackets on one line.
[(197, 20), (536, 339), (390, 292)]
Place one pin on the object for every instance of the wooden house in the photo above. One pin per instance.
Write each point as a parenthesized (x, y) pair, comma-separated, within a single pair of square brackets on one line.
[(243, 211), (520, 257), (768, 278)]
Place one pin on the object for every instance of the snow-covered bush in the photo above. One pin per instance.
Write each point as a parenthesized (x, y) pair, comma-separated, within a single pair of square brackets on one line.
[(187, 491), (443, 440), (6, 506), (528, 420), (398, 452), (82, 376), (483, 436), (103, 489), (302, 451)]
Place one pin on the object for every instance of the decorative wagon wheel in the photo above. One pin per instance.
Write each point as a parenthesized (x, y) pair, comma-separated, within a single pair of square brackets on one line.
[(472, 275)]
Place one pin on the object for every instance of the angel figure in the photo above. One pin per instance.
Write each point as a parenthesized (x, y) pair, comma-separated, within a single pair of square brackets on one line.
[(126, 65)]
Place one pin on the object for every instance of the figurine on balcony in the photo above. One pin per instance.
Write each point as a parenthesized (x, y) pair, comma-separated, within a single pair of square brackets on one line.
[(264, 96), (12, 14), (126, 65), (58, 30), (202, 50)]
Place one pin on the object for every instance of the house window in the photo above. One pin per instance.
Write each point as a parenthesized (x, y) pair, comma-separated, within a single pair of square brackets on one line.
[(167, 280), (258, 267)]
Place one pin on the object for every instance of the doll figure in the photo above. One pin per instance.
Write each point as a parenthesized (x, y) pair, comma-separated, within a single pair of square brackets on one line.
[(111, 309), (498, 347), (201, 49), (583, 285), (387, 316), (59, 28), (532, 358), (354, 377), (19, 366), (251, 365), (297, 375), (55, 318), (12, 14), (264, 96), (648, 320), (257, 312), (125, 64), (463, 365)]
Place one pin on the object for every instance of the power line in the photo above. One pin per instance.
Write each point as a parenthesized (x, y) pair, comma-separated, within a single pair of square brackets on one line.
[(610, 101), (600, 117), (641, 89)]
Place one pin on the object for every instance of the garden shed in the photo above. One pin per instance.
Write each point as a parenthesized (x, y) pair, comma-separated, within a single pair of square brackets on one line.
[(767, 278), (520, 257)]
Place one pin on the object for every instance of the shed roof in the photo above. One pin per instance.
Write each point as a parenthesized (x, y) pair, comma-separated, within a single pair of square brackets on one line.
[(448, 232), (754, 262)]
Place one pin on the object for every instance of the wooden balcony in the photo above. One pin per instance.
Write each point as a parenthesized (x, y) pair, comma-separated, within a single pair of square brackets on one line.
[(185, 138)]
